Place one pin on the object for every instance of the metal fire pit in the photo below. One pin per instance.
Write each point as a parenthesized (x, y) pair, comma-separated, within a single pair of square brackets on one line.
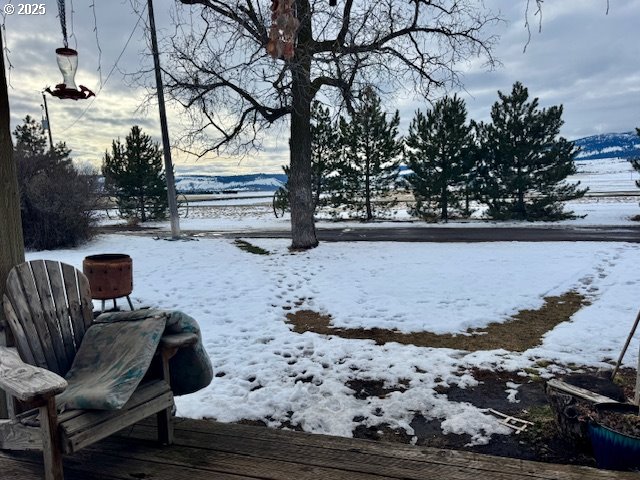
[(110, 276)]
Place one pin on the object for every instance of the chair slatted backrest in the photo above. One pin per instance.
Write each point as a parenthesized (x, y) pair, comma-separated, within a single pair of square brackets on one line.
[(48, 308)]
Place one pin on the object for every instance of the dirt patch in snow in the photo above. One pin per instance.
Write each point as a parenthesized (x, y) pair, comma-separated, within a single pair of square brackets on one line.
[(250, 248), (374, 388), (540, 442), (521, 332)]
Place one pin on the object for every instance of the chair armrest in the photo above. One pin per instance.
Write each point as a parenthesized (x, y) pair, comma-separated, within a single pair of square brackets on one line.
[(26, 382), (178, 340)]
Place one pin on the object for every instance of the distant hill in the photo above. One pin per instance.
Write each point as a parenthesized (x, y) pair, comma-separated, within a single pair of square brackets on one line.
[(609, 145), (256, 182)]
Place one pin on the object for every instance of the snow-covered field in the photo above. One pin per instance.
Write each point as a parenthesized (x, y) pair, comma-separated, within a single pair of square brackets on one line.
[(606, 175), (265, 371), (250, 217), (613, 176)]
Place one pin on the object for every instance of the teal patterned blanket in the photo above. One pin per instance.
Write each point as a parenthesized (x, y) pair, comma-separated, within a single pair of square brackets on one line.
[(116, 352)]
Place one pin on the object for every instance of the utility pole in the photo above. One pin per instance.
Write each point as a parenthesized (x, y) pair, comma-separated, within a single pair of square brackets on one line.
[(166, 147), (46, 112)]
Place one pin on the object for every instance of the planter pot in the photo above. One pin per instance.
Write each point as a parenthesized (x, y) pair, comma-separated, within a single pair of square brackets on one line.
[(110, 275), (614, 450)]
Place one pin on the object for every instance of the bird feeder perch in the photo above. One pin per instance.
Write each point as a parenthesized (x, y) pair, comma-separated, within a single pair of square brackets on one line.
[(68, 64)]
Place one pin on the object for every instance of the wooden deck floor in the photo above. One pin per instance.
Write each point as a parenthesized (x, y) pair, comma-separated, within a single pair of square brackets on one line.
[(215, 451)]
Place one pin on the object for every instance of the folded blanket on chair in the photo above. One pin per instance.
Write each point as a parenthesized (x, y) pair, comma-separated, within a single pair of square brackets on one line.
[(116, 352)]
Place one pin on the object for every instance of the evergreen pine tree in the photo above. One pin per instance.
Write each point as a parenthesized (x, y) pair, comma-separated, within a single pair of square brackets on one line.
[(438, 153), (371, 154), (524, 163), (325, 152), (134, 176)]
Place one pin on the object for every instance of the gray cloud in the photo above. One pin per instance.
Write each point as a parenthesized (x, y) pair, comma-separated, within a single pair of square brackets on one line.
[(583, 59)]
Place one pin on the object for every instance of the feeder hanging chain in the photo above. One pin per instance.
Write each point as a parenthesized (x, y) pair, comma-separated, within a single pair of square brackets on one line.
[(63, 22)]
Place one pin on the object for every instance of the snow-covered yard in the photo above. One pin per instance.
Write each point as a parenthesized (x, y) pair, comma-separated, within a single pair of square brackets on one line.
[(265, 371)]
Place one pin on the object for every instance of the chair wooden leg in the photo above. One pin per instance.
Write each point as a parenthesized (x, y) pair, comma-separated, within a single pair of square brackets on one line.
[(51, 447), (165, 417), (165, 426)]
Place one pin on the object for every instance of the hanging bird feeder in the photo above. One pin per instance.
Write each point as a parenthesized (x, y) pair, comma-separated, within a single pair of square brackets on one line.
[(283, 31), (68, 64)]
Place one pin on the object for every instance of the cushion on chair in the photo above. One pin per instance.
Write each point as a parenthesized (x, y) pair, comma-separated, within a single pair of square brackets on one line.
[(190, 368)]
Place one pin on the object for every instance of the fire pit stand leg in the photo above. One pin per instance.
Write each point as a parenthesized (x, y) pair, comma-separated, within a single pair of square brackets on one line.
[(115, 304)]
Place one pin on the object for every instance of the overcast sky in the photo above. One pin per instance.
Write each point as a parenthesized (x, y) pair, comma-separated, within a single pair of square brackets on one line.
[(584, 58)]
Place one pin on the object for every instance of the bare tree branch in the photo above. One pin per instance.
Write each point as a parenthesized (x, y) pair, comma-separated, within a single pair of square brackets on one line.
[(220, 71), (250, 21)]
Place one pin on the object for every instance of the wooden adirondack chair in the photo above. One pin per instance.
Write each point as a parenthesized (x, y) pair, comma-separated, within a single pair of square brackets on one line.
[(48, 307)]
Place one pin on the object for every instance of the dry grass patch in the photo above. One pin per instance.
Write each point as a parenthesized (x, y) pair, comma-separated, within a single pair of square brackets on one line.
[(523, 331), (251, 248)]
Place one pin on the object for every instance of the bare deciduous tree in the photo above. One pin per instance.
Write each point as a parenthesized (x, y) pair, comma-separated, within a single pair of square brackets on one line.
[(233, 90)]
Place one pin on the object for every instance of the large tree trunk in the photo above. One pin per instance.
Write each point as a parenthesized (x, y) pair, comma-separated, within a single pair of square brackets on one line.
[(11, 240), (303, 230)]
